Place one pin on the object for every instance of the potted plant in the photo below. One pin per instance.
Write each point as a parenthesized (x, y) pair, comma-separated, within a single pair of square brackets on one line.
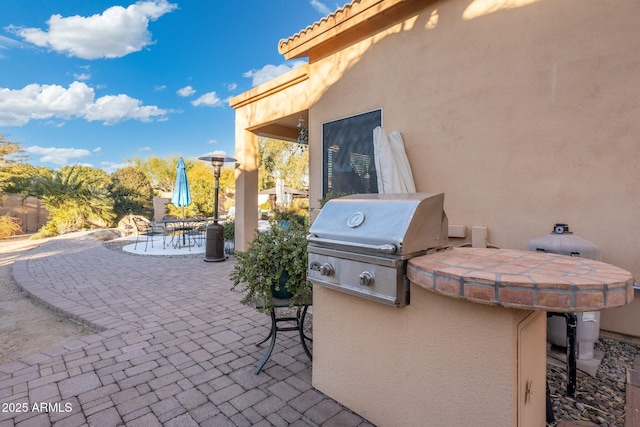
[(229, 233), (275, 264)]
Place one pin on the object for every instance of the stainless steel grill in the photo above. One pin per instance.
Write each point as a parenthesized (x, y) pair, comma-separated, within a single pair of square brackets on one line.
[(360, 244)]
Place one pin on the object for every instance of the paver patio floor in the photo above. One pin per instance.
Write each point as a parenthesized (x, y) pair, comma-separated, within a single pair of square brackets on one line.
[(175, 348)]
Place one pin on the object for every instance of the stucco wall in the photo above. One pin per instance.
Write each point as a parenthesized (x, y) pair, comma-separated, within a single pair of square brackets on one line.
[(30, 211), (523, 116), (262, 106), (523, 112), (437, 362)]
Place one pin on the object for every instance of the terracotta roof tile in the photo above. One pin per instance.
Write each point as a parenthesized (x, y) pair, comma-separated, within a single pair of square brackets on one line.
[(319, 26), (353, 15)]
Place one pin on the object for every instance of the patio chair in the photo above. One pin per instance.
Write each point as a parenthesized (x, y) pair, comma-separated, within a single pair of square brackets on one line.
[(198, 232), (173, 229), (148, 230)]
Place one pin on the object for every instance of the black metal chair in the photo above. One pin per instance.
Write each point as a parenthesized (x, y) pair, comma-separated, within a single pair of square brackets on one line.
[(172, 230), (148, 230), (197, 232)]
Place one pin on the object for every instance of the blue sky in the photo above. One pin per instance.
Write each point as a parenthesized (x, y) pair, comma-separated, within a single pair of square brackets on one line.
[(98, 82)]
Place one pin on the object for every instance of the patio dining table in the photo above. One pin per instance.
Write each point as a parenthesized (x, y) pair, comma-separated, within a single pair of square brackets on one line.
[(181, 227)]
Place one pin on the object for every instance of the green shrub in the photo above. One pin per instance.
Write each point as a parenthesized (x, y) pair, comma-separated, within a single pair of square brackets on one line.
[(50, 229), (273, 253), (9, 226), (131, 192), (230, 230)]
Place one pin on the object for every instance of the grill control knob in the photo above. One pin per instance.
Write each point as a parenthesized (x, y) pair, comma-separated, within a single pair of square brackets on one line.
[(366, 278), (326, 269)]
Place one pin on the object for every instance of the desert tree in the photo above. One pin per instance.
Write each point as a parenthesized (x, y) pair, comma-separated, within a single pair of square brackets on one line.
[(131, 192)]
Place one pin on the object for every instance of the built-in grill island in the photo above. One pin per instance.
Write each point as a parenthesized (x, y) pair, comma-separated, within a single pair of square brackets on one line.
[(468, 345), (360, 244)]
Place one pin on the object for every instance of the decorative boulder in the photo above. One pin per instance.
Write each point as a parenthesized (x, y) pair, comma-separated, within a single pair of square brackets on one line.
[(105, 234)]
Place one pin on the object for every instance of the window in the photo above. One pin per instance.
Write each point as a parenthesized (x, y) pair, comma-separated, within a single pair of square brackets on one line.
[(348, 162)]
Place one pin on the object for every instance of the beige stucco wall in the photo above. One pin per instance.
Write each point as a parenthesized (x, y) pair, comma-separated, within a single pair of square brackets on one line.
[(524, 116), (30, 211), (283, 96), (624, 320), (437, 362), (524, 113)]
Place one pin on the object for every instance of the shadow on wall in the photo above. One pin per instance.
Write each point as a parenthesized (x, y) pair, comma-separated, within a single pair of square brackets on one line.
[(30, 212)]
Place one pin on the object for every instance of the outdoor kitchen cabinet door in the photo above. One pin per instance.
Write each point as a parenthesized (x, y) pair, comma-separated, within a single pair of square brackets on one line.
[(531, 385)]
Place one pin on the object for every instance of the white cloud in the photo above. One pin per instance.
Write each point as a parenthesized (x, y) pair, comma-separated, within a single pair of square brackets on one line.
[(35, 102), (58, 156), (208, 100), (114, 109), (269, 72), (112, 34), (144, 149), (159, 88), (6, 43), (111, 167), (82, 76), (232, 86), (320, 7), (54, 123), (186, 91), (212, 141), (97, 150)]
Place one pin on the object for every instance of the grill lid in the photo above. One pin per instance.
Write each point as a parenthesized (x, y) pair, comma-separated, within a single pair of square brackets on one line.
[(391, 224)]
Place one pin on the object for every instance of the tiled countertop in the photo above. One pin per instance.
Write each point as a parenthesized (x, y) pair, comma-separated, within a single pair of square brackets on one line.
[(523, 279)]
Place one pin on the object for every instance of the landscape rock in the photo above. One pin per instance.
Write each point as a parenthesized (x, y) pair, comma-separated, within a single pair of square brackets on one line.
[(105, 235), (599, 400)]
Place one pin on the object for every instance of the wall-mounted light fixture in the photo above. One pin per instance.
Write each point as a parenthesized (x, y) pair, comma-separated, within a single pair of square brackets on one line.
[(303, 132)]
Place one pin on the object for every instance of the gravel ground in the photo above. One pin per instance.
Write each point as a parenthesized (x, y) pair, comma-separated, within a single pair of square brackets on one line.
[(600, 400), (25, 326)]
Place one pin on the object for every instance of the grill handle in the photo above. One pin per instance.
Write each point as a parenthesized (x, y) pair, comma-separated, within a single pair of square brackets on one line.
[(387, 249)]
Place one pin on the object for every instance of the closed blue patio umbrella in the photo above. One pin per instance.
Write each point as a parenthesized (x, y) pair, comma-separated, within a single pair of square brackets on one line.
[(181, 194)]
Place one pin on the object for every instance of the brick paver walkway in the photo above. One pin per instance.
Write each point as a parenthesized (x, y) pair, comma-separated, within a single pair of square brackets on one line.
[(176, 348)]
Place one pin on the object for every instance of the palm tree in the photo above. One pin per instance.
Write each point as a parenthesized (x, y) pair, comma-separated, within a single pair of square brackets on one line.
[(76, 197)]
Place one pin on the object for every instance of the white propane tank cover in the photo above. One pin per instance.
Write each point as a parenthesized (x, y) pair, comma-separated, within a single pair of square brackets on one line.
[(565, 243), (562, 241)]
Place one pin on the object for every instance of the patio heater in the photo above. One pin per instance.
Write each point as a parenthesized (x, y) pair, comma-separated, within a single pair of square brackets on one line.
[(214, 250)]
